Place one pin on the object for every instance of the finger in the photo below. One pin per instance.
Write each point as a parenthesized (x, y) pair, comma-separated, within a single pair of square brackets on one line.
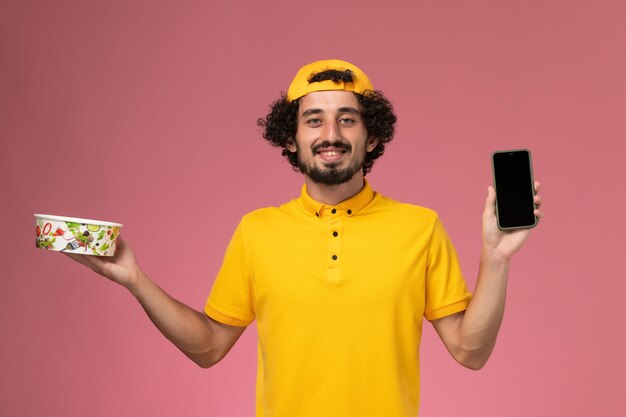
[(89, 261), (81, 259), (120, 244), (491, 197), (537, 187), (490, 203)]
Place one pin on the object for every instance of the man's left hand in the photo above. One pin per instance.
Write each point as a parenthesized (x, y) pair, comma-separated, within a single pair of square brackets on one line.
[(502, 244)]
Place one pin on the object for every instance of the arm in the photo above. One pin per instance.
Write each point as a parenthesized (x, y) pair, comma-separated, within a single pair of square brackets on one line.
[(202, 339), (470, 336)]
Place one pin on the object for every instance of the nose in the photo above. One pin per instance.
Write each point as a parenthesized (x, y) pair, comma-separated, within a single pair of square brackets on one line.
[(331, 131)]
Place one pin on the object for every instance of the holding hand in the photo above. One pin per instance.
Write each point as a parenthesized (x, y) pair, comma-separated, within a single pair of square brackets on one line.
[(121, 268), (499, 244)]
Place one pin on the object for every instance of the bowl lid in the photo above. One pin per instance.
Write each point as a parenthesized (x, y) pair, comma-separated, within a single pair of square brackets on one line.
[(76, 220)]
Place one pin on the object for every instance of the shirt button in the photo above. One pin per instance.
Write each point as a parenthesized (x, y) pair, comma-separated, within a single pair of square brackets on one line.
[(333, 211), (349, 211), (334, 257), (335, 234)]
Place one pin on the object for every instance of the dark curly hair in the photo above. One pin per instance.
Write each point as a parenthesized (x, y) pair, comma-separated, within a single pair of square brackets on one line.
[(281, 123)]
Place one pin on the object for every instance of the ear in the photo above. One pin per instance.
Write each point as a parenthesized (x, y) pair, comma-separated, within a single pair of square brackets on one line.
[(372, 142), (291, 145)]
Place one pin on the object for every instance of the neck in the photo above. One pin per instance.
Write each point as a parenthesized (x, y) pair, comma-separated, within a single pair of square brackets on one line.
[(334, 194)]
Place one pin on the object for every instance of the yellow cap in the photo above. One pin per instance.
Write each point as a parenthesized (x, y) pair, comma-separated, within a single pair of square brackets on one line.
[(300, 85)]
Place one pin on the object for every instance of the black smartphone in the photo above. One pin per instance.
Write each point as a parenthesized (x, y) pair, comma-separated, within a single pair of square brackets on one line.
[(515, 190)]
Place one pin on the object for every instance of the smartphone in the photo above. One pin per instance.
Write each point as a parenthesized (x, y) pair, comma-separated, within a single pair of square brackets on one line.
[(515, 190)]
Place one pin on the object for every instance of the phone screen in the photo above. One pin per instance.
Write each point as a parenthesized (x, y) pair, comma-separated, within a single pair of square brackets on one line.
[(513, 181)]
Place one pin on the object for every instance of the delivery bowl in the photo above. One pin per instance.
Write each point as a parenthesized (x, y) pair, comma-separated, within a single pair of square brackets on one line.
[(76, 235)]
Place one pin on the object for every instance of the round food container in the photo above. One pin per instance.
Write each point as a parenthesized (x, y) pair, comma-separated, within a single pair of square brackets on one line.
[(75, 235)]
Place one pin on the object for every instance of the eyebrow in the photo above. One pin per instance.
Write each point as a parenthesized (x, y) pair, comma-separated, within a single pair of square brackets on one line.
[(351, 110)]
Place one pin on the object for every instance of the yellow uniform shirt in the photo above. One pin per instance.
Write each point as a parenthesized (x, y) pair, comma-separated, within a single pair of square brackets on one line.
[(338, 293)]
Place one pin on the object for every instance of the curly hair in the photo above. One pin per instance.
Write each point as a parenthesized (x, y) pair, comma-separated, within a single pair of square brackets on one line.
[(281, 124)]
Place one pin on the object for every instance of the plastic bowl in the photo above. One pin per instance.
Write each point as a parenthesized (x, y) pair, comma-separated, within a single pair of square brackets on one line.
[(75, 235)]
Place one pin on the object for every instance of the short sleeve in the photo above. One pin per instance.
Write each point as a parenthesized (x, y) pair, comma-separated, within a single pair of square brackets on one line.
[(231, 300), (446, 291)]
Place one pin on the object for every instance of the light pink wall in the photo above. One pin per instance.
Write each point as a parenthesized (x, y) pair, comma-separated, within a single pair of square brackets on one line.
[(143, 112)]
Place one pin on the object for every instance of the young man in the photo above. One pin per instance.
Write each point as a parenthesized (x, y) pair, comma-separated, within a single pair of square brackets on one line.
[(339, 279)]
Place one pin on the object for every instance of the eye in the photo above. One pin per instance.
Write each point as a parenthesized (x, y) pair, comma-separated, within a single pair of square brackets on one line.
[(347, 121), (313, 121)]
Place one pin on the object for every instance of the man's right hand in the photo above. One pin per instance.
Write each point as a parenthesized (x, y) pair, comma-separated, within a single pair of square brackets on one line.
[(121, 268)]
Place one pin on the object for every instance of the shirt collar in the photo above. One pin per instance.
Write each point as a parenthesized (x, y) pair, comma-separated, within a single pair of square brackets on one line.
[(351, 206)]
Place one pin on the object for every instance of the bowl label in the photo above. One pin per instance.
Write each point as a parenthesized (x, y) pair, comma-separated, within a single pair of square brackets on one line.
[(66, 236)]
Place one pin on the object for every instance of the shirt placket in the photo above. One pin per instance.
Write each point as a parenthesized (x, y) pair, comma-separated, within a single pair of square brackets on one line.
[(335, 219)]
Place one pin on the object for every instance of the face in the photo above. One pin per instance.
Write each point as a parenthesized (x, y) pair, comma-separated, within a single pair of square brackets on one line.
[(331, 139)]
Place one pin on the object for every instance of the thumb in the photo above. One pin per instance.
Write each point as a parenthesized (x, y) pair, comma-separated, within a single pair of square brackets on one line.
[(490, 202)]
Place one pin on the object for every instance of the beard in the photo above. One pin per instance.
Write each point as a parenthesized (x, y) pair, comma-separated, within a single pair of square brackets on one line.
[(330, 174)]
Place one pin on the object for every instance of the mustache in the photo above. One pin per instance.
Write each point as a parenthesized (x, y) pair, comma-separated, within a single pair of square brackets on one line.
[(336, 144)]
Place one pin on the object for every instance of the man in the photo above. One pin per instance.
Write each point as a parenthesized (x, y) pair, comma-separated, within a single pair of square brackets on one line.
[(339, 279)]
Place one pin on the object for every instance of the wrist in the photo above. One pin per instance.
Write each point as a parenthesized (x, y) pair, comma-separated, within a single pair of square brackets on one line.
[(137, 285), (494, 259)]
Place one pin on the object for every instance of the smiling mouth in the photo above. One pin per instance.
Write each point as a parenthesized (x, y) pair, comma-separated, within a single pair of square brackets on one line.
[(331, 152), (331, 155)]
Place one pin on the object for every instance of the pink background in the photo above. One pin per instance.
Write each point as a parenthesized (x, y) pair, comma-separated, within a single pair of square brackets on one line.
[(143, 112)]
